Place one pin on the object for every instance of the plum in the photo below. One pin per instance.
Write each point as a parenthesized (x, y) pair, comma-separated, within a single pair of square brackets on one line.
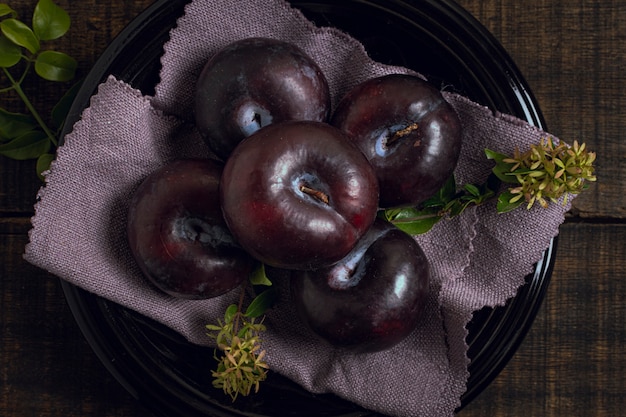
[(252, 83), (298, 194), (408, 131), (373, 298), (177, 233)]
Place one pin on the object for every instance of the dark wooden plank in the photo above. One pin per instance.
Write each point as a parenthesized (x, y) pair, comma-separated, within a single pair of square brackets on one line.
[(572, 362), (572, 55), (47, 369), (570, 52)]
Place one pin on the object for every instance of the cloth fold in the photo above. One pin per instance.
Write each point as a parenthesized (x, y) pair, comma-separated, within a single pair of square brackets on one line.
[(478, 259)]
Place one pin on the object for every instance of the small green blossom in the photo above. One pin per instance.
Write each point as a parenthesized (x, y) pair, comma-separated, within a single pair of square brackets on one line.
[(241, 366), (548, 172)]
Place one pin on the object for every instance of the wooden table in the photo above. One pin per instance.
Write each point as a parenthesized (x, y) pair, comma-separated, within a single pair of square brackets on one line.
[(572, 363)]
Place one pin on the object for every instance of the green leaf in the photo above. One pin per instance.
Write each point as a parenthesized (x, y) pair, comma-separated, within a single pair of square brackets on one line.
[(261, 303), (502, 169), (43, 164), (55, 66), (5, 10), (504, 174), (414, 221), (504, 202), (442, 197), (30, 145), (389, 214), (258, 276), (457, 206), (230, 312), (418, 227), (62, 108), (448, 191), (10, 53), (472, 189), (213, 327), (410, 214), (50, 21), (496, 156), (20, 34), (13, 125)]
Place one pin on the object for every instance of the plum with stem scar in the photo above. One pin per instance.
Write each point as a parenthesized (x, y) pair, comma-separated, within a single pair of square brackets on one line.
[(298, 194), (408, 131)]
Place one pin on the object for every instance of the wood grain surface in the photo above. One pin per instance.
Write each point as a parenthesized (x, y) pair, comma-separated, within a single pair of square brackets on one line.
[(572, 363)]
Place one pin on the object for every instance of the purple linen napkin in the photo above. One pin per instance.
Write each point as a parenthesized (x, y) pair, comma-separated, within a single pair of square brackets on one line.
[(478, 259)]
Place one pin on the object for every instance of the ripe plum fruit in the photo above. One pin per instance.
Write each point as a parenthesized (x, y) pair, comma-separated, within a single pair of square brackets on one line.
[(298, 194), (255, 82), (408, 131), (177, 233), (370, 300)]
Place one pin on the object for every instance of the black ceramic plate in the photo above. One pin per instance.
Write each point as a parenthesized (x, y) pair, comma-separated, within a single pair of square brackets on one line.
[(435, 37)]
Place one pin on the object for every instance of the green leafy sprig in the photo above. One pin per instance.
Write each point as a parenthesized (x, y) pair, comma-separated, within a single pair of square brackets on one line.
[(22, 48), (447, 202), (545, 173), (240, 359)]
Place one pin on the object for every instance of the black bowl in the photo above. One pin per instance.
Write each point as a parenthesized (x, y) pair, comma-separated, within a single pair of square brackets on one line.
[(435, 37)]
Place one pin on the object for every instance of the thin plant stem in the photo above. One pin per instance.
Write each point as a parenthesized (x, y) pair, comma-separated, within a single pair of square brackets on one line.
[(239, 308), (18, 89)]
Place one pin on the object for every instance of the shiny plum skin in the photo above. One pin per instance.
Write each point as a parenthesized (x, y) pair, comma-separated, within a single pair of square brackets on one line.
[(408, 131), (268, 193), (177, 233), (371, 300), (255, 82)]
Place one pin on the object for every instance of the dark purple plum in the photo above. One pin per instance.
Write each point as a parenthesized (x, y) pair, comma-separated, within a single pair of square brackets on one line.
[(409, 132), (298, 194), (373, 298), (177, 233), (255, 82)]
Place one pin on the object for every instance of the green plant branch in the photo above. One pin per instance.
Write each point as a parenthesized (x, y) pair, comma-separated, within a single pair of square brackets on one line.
[(544, 173), (31, 136), (240, 362), (238, 314)]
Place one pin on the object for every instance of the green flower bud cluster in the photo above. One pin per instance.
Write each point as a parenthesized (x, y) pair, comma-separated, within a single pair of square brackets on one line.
[(545, 173), (241, 367)]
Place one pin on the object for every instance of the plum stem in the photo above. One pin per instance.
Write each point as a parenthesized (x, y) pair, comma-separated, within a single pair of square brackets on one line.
[(321, 196), (402, 133), (257, 119)]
